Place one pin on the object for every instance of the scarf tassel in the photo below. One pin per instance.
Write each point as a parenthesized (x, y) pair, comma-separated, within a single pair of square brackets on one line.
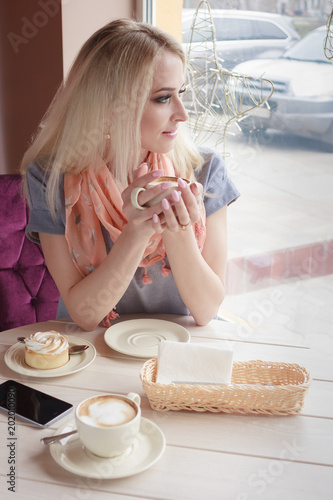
[(165, 270), (146, 280), (110, 317)]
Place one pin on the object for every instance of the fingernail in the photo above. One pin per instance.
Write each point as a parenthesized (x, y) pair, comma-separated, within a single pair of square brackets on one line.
[(165, 204), (155, 219), (181, 183), (166, 185), (157, 173), (175, 196), (144, 164)]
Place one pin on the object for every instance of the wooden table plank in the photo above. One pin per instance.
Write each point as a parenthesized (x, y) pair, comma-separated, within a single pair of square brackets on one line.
[(319, 365), (181, 473), (215, 330), (261, 436), (215, 456), (27, 489), (121, 374)]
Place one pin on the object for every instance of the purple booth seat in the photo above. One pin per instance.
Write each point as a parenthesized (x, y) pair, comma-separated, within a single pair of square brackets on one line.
[(28, 294)]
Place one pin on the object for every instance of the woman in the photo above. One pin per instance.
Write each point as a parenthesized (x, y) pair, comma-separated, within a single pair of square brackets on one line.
[(113, 128)]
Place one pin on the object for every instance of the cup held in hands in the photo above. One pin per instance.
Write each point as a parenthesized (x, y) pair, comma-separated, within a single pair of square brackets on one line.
[(164, 194)]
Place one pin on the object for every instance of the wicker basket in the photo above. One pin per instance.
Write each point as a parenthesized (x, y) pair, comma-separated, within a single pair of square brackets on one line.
[(257, 387)]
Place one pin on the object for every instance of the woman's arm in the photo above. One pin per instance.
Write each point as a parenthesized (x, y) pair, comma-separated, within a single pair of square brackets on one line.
[(89, 299), (200, 277)]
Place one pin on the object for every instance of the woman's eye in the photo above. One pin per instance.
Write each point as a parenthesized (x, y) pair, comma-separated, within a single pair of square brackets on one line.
[(163, 99)]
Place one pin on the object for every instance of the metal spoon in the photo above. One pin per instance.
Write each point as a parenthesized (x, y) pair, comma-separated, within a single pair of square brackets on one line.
[(52, 439), (74, 349)]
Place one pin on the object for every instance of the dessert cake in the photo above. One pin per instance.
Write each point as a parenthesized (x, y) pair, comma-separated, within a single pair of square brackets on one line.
[(46, 350)]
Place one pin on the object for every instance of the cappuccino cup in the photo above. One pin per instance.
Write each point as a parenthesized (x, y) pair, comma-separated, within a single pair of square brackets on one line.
[(160, 180), (108, 424)]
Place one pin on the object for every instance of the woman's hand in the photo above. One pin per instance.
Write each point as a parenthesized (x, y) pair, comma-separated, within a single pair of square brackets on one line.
[(138, 219), (178, 211), (183, 207)]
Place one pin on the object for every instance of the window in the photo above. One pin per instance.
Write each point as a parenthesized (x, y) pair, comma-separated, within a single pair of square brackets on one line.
[(266, 31), (234, 29), (280, 269), (197, 37)]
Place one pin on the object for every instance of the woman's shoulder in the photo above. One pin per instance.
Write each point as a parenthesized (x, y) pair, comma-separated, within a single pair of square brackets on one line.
[(210, 154), (37, 180), (38, 168), (213, 164), (41, 217), (218, 187), (38, 173)]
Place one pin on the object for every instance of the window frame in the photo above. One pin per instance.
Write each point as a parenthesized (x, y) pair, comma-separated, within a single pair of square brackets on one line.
[(149, 11)]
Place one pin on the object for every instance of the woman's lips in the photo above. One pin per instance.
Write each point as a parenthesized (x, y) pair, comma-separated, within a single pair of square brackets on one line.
[(170, 133)]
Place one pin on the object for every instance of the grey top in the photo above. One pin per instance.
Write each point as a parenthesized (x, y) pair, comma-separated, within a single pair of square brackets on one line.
[(161, 296)]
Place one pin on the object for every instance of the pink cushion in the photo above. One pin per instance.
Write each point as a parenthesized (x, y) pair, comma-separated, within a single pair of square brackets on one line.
[(28, 294)]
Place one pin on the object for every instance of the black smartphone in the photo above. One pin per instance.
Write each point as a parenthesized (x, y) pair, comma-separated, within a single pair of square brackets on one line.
[(34, 406)]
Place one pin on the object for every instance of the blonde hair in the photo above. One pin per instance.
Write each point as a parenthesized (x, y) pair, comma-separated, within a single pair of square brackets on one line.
[(97, 111)]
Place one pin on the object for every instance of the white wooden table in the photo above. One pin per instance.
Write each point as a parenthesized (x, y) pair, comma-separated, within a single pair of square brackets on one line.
[(207, 456)]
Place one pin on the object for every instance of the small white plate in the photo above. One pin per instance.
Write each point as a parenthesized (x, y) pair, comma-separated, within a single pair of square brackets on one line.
[(147, 448), (140, 337), (14, 359)]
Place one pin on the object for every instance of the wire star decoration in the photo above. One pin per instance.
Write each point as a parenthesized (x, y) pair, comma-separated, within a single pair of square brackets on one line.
[(217, 97), (328, 44)]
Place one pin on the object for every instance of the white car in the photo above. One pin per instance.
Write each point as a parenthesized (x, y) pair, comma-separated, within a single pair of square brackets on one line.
[(240, 35), (302, 102)]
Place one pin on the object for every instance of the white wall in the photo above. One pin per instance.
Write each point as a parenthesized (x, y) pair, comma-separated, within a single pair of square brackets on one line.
[(81, 18)]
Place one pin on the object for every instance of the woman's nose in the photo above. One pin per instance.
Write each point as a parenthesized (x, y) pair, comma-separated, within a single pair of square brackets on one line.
[(181, 113)]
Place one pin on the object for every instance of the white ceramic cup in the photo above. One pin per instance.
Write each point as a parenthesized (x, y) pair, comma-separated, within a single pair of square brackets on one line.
[(164, 194), (107, 424)]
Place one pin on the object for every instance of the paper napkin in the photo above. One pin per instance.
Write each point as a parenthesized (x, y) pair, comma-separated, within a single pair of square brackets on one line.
[(180, 362)]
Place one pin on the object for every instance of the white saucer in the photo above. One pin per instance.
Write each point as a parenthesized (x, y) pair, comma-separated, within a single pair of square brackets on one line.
[(14, 359), (140, 337), (147, 448)]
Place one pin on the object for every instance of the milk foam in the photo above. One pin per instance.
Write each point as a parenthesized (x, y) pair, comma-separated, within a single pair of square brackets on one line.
[(51, 342), (106, 411)]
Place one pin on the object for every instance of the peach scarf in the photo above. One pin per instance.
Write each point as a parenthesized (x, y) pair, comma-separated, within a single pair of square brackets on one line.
[(93, 198)]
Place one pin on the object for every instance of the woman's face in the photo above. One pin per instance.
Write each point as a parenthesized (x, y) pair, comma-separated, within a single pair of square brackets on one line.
[(164, 110)]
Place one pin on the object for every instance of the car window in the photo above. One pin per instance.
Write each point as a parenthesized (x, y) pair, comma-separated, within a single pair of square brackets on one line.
[(199, 35), (269, 31), (228, 29), (311, 48), (233, 29)]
